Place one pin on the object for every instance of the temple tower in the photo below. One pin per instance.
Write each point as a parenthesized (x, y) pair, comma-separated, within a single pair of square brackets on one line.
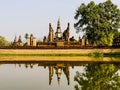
[(31, 41), (58, 33), (19, 41), (34, 41), (50, 36), (28, 41), (15, 39), (68, 32)]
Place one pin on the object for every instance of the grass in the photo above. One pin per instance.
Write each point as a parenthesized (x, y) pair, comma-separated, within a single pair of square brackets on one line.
[(52, 54), (94, 54)]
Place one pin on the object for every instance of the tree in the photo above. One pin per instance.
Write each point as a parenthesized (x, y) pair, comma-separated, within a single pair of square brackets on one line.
[(98, 77), (26, 35), (31, 35), (99, 22), (3, 41)]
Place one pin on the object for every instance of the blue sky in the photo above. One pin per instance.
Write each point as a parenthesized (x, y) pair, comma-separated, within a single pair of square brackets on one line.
[(18, 17)]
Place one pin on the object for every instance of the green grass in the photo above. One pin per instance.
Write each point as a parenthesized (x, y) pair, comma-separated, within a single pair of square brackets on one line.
[(96, 54), (52, 54)]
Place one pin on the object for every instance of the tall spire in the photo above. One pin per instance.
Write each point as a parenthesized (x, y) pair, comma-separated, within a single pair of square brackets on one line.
[(58, 23), (20, 39), (50, 36), (15, 39)]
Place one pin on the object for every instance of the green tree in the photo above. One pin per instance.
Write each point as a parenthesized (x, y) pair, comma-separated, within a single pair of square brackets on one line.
[(99, 22), (31, 35), (98, 77), (3, 41), (26, 35), (39, 41)]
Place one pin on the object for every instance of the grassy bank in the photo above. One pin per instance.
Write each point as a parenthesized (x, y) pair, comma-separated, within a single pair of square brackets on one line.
[(95, 54), (60, 55)]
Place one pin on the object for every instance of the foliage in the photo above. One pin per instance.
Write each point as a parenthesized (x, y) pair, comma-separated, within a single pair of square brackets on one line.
[(3, 41), (96, 54), (99, 22), (39, 41), (98, 77), (26, 35)]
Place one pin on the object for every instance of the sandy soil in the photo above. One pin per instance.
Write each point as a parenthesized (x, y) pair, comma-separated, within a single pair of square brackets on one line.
[(46, 51)]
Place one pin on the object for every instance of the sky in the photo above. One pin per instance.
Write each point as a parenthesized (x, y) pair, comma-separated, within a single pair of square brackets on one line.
[(18, 17)]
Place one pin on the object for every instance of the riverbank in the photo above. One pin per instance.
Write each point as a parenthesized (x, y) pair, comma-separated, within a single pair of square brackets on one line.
[(60, 55)]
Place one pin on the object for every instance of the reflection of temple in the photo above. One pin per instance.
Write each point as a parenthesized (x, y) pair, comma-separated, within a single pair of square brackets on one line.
[(55, 68), (58, 71)]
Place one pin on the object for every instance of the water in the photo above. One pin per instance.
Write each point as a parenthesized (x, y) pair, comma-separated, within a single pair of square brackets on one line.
[(40, 75)]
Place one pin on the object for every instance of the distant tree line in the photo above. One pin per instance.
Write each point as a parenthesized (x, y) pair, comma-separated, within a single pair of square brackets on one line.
[(4, 41)]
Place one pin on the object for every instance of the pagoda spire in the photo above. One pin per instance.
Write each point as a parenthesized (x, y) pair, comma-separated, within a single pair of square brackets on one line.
[(20, 39), (15, 39), (58, 33), (58, 25)]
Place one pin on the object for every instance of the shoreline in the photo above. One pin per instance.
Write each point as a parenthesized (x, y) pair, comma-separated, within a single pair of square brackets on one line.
[(57, 55), (28, 51)]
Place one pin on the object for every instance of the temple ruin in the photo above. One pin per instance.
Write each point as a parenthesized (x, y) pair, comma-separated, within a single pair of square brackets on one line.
[(17, 42), (57, 38)]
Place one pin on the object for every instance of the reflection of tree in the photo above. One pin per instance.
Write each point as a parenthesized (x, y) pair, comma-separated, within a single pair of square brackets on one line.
[(98, 77)]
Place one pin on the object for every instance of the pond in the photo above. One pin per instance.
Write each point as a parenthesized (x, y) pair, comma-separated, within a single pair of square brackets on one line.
[(59, 75)]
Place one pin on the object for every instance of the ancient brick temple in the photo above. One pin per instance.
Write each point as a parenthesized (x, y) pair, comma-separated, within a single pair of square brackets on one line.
[(30, 41), (58, 36)]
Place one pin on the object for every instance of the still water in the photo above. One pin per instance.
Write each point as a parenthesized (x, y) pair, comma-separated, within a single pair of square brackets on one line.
[(49, 75)]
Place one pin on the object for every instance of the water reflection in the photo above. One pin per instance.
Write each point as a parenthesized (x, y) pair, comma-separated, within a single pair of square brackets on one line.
[(58, 71), (87, 76), (57, 68), (98, 77)]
